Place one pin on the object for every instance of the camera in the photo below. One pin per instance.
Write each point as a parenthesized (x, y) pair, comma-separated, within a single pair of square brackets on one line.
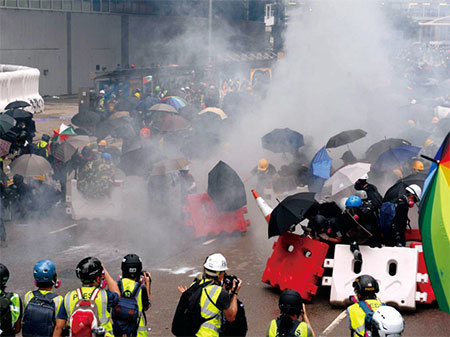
[(228, 281)]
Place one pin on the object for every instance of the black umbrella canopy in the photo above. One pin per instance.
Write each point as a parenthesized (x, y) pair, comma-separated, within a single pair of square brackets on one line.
[(290, 212), (226, 188), (282, 140), (399, 188), (17, 104), (345, 137), (6, 123), (85, 118), (374, 151), (19, 113)]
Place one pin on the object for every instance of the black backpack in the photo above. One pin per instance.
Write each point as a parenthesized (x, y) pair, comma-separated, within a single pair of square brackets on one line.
[(5, 315), (126, 313), (237, 328), (188, 319), (39, 316)]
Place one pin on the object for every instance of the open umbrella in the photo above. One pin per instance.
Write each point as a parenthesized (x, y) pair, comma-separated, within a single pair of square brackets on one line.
[(321, 164), (395, 158), (175, 101), (30, 165), (17, 104), (64, 132), (67, 148), (19, 113), (399, 188), (6, 123), (119, 114), (169, 165), (434, 222), (163, 108), (290, 212), (85, 118), (282, 140), (169, 122), (374, 151), (216, 111), (345, 137), (226, 188), (343, 180)]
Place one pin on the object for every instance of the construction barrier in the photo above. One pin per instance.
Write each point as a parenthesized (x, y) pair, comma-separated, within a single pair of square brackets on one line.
[(424, 289), (203, 215), (19, 83), (413, 235), (296, 263), (395, 269)]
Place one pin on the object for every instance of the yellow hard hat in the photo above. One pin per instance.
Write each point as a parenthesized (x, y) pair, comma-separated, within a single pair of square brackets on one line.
[(137, 94), (102, 143), (40, 178), (263, 164), (435, 120), (428, 142), (398, 173), (418, 165)]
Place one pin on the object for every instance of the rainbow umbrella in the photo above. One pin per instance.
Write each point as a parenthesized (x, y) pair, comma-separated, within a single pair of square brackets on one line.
[(61, 134), (434, 221), (175, 101)]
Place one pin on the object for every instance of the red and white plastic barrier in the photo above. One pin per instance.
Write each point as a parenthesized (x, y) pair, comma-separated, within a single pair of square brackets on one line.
[(425, 293), (205, 218), (20, 83)]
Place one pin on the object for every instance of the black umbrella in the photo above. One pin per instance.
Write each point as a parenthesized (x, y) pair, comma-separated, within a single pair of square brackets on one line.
[(375, 150), (17, 104), (282, 140), (6, 123), (399, 188), (19, 113), (85, 118), (345, 137), (290, 212), (117, 128), (226, 188)]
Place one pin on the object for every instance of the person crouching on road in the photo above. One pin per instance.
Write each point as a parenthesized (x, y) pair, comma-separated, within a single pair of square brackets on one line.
[(77, 303), (134, 296), (42, 305), (365, 287), (293, 320)]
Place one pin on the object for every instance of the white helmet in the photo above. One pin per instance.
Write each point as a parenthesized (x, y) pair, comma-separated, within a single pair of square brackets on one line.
[(216, 262), (415, 189), (387, 322), (102, 92)]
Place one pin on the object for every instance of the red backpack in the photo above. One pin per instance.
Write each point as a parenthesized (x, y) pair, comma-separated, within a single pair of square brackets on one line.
[(84, 318)]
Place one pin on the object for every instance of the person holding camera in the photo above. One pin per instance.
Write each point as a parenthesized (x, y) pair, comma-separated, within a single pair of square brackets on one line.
[(293, 320), (134, 286), (237, 328), (214, 300)]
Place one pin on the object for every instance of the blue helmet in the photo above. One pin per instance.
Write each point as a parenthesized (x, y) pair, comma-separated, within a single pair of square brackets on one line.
[(106, 156), (353, 201), (44, 271)]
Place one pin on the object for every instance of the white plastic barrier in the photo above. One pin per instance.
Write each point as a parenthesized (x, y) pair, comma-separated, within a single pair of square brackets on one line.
[(19, 83), (395, 269)]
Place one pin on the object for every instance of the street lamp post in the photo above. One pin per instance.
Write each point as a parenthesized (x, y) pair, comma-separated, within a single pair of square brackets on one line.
[(210, 32)]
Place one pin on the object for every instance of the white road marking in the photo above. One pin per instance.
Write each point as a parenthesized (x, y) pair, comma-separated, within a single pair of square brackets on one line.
[(182, 270), (63, 229), (208, 242)]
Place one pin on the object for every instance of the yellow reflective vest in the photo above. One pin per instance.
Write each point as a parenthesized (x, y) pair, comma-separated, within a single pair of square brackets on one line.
[(128, 285), (356, 316), (101, 301), (301, 330), (209, 310)]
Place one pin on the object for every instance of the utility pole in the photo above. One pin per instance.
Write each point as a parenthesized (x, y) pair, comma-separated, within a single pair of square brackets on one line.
[(210, 32)]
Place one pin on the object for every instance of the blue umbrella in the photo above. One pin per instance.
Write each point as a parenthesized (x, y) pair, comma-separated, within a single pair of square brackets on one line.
[(321, 164), (282, 140), (395, 158)]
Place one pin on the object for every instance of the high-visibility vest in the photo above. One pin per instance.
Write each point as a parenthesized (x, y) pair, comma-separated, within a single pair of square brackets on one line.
[(129, 284), (208, 310), (301, 330), (357, 316), (57, 300), (42, 144), (101, 301)]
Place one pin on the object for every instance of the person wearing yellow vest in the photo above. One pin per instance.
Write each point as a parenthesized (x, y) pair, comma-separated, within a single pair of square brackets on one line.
[(293, 321), (43, 145), (10, 306), (215, 301), (132, 292), (39, 317), (365, 287), (91, 272)]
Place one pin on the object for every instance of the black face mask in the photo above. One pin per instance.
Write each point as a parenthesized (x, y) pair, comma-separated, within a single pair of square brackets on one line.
[(359, 185)]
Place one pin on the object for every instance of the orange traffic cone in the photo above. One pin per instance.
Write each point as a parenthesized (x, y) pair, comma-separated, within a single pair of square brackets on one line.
[(263, 206)]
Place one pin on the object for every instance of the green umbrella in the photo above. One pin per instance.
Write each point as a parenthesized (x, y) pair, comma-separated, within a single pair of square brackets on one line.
[(434, 221)]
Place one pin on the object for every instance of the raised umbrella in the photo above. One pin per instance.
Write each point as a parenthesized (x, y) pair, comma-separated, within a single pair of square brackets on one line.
[(85, 118), (290, 212), (163, 108), (30, 165), (67, 148), (345, 137), (19, 114), (169, 123), (282, 140), (64, 132), (399, 188), (215, 111), (321, 164), (6, 123), (374, 151), (226, 188), (395, 158), (17, 104), (434, 222), (175, 101)]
